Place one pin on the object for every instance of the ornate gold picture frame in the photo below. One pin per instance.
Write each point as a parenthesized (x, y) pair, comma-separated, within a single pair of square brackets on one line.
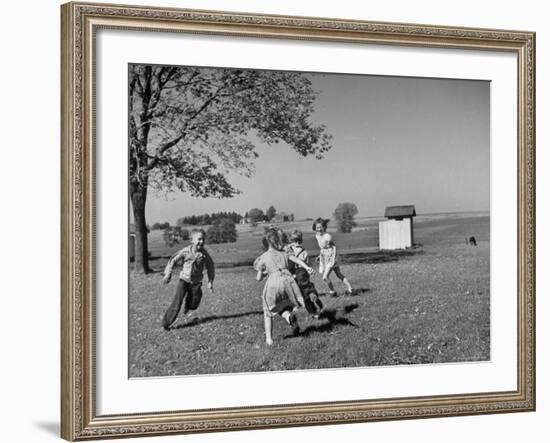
[(80, 419)]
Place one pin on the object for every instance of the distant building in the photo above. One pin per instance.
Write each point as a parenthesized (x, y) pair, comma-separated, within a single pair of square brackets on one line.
[(397, 231), (281, 217)]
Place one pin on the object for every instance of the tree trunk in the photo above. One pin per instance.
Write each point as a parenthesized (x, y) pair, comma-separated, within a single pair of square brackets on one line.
[(139, 196)]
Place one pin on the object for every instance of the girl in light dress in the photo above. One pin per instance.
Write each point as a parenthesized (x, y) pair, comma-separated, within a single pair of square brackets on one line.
[(328, 260), (281, 295)]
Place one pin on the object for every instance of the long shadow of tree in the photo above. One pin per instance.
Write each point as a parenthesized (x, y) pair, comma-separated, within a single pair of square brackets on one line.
[(335, 317), (211, 318)]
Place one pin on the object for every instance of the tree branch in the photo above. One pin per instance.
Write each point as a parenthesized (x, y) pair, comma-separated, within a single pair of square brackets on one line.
[(155, 97), (162, 87), (162, 149)]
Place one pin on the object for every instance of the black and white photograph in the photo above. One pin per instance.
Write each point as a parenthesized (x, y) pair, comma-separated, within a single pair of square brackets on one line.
[(286, 220), (275, 221)]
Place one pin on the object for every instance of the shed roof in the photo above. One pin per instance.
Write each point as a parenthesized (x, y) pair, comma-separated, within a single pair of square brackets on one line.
[(400, 211)]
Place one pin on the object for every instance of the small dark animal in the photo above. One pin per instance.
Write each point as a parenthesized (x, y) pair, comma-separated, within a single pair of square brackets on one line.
[(472, 241)]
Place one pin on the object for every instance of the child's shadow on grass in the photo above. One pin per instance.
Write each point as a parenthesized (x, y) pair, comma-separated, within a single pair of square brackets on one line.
[(356, 292), (210, 318), (334, 317)]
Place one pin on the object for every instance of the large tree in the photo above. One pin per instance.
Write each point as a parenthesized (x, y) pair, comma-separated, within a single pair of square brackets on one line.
[(270, 213), (190, 127), (345, 216), (256, 215), (222, 231)]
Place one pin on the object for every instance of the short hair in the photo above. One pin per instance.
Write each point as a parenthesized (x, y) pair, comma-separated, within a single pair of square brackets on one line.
[(296, 236), (322, 221), (196, 231)]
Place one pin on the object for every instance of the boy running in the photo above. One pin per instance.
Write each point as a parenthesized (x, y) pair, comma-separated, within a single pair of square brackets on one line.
[(193, 259)]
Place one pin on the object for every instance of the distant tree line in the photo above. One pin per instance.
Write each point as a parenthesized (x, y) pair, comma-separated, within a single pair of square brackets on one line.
[(222, 231), (160, 226), (256, 215), (209, 219), (173, 235)]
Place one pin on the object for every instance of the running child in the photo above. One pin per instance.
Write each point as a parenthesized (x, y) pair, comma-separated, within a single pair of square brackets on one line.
[(328, 261), (193, 259), (281, 295)]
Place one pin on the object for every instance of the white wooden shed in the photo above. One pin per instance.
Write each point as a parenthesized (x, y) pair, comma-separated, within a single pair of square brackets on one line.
[(397, 231)]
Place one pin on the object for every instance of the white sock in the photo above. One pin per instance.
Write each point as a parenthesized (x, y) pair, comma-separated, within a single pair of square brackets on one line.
[(286, 316)]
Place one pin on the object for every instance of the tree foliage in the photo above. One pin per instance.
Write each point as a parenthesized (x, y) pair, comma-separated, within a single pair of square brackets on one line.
[(270, 213), (208, 219), (181, 233), (169, 237), (222, 231), (344, 215), (157, 226), (191, 127), (174, 235), (256, 215), (198, 122)]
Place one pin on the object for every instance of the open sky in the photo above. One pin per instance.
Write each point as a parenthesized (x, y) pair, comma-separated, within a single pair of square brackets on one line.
[(396, 140)]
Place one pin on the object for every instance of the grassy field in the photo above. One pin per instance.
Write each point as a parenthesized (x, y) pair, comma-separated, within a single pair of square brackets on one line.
[(248, 245), (430, 304)]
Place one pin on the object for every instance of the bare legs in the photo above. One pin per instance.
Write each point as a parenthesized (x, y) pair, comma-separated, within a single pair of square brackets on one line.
[(328, 281), (338, 272), (288, 316), (268, 325)]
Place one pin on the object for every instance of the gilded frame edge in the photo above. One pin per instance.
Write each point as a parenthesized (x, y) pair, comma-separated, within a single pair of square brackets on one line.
[(78, 419)]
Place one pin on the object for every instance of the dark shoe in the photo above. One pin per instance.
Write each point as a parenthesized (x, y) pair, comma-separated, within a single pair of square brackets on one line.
[(320, 314), (294, 324)]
